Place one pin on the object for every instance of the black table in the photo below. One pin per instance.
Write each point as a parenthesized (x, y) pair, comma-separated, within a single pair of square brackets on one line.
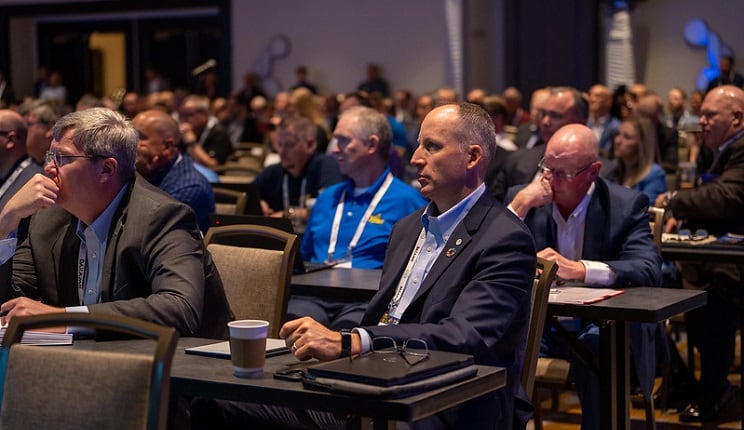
[(341, 284), (642, 304), (194, 375), (709, 253)]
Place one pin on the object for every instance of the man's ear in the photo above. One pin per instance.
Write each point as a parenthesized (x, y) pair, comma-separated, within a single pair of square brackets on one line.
[(475, 154), (10, 142), (738, 116), (109, 169), (374, 144), (312, 144)]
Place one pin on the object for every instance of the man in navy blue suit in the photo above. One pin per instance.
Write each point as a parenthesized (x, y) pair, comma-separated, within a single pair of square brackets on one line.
[(457, 274), (598, 233)]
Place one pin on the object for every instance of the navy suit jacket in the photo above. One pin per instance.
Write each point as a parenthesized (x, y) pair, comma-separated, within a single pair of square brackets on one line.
[(617, 233), (475, 301)]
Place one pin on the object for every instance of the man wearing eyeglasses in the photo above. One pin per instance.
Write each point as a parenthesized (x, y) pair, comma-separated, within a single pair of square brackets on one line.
[(102, 239), (598, 233), (457, 275), (301, 173), (717, 205), (16, 167), (563, 105)]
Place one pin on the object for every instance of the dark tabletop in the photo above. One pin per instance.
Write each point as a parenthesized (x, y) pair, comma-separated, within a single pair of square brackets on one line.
[(213, 377)]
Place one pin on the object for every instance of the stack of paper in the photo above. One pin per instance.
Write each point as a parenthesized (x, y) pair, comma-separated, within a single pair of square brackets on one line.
[(584, 295), (42, 338)]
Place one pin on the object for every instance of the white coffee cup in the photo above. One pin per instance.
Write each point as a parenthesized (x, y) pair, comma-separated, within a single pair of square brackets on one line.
[(248, 347)]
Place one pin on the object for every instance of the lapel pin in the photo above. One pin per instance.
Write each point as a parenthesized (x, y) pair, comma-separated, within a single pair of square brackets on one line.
[(450, 252), (458, 242)]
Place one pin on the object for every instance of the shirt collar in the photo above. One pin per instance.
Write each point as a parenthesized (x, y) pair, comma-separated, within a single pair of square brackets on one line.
[(371, 190), (578, 212), (730, 140), (102, 224), (443, 225)]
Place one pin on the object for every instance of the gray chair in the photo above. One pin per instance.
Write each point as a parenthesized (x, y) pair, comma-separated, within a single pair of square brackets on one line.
[(51, 387), (256, 276), (229, 202)]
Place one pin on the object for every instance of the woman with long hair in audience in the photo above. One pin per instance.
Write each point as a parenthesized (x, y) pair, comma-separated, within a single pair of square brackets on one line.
[(302, 102), (635, 149)]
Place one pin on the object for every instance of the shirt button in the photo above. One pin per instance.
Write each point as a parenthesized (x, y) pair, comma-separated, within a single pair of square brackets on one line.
[(415, 280), (94, 255), (90, 291), (428, 249), (348, 213)]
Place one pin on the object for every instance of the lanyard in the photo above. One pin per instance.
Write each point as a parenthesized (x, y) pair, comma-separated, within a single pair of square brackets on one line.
[(362, 223), (285, 192), (82, 269), (17, 172), (401, 288)]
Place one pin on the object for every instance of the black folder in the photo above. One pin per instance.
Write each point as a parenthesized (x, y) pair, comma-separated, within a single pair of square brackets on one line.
[(389, 369)]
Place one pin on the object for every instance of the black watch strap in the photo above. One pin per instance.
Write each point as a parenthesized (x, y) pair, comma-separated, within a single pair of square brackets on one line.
[(345, 343)]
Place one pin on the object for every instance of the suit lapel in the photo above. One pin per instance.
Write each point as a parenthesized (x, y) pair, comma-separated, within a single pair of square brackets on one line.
[(594, 229), (456, 245), (109, 263), (65, 253)]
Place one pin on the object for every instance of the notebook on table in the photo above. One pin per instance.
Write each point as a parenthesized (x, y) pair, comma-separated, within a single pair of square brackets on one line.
[(222, 349)]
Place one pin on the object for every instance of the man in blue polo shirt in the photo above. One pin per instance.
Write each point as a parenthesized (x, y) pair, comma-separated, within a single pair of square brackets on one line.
[(351, 221)]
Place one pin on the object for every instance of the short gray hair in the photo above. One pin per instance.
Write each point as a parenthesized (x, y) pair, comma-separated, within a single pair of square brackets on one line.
[(104, 132), (369, 122)]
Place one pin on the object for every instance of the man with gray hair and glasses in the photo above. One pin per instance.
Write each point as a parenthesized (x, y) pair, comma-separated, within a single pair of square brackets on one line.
[(102, 239)]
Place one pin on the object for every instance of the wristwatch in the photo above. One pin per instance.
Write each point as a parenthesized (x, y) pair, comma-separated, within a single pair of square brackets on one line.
[(345, 343)]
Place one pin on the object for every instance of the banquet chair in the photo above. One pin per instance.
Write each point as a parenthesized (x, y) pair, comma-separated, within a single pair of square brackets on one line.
[(539, 309), (229, 202), (656, 222), (255, 274), (56, 387)]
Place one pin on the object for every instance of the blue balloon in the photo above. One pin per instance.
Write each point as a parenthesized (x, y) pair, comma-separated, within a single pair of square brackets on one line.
[(696, 32)]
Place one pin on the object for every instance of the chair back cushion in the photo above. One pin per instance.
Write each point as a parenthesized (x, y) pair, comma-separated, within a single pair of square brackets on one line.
[(252, 280), (81, 389)]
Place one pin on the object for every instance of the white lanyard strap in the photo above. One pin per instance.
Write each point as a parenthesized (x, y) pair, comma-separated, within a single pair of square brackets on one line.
[(285, 192), (400, 289), (362, 223), (14, 176)]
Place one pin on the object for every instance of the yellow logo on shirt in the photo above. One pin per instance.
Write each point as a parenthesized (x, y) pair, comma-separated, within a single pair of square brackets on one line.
[(376, 219)]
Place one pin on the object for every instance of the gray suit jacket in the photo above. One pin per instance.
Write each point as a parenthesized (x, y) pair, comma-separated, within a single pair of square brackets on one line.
[(156, 267)]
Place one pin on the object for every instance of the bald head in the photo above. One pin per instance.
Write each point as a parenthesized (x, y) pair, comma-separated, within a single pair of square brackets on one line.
[(722, 114), (12, 140), (571, 161), (159, 137), (573, 140), (11, 121), (161, 122)]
